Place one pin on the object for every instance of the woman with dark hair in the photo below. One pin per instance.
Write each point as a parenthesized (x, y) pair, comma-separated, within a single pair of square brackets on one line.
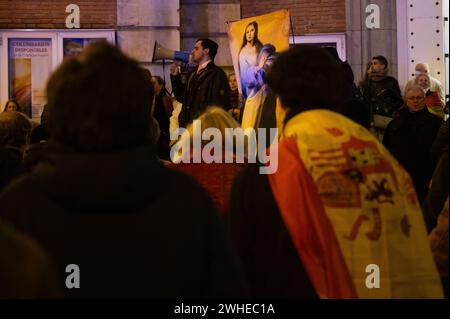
[(12, 106), (248, 57)]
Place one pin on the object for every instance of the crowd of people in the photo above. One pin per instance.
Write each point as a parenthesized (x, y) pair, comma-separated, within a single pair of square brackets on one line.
[(362, 179)]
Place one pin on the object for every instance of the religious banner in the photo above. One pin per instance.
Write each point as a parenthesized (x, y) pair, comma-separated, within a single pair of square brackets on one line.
[(254, 43)]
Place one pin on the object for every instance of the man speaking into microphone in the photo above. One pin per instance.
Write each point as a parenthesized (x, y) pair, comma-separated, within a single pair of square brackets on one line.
[(207, 85)]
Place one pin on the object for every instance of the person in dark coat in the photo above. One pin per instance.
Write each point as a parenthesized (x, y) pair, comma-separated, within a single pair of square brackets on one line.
[(268, 254), (438, 192), (381, 91), (102, 200), (162, 112), (26, 270), (14, 134), (206, 86), (409, 138)]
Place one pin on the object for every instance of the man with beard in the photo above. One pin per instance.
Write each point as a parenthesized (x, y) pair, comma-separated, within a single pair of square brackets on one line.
[(381, 93)]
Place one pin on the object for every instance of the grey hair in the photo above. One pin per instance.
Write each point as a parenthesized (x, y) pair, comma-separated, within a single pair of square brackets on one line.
[(415, 87)]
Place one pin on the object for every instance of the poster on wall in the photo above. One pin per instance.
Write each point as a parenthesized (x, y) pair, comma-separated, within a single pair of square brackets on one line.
[(30, 64), (72, 47)]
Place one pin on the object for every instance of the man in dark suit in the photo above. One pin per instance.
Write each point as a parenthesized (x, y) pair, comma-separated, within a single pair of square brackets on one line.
[(206, 86)]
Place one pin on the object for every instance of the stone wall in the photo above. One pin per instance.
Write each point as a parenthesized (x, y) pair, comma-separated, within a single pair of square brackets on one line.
[(308, 17), (364, 43), (208, 18), (51, 14), (142, 22)]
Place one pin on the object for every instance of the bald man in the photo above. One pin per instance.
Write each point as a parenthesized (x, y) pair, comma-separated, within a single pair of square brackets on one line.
[(435, 84)]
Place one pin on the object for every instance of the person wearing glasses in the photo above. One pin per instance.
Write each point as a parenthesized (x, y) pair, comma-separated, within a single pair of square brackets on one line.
[(409, 138)]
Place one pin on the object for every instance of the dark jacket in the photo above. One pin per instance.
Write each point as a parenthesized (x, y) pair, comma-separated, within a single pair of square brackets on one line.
[(271, 263), (382, 97), (134, 227), (438, 192), (11, 165), (207, 88), (25, 269), (409, 138)]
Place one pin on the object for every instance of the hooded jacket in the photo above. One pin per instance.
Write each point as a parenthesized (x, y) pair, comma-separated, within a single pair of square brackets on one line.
[(133, 227)]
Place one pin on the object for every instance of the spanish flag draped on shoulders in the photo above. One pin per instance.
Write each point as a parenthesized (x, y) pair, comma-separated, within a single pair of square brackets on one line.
[(351, 211)]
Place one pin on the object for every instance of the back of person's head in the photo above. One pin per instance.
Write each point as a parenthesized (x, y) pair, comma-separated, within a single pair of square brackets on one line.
[(381, 59), (100, 101), (334, 53), (214, 117), (211, 45), (12, 106), (217, 117), (346, 68), (307, 77), (14, 129)]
